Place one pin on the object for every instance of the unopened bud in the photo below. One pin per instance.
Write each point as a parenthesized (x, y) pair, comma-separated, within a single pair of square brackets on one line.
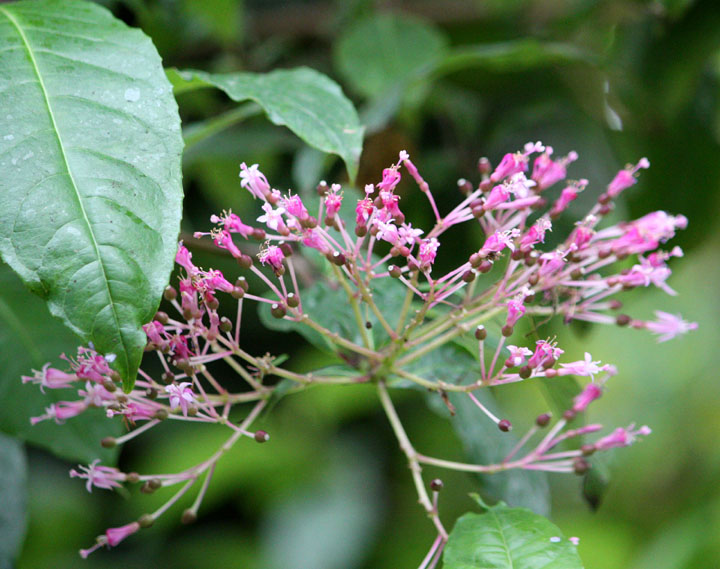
[(225, 324), (507, 331), (132, 477), (581, 466), (258, 234), (622, 320), (480, 333), (485, 267), (322, 188), (543, 420), (285, 248), (146, 520), (505, 426), (394, 271), (212, 304), (525, 372), (277, 310), (188, 517), (436, 484), (160, 414), (169, 293), (108, 442), (245, 261), (161, 317), (292, 300), (109, 385), (484, 166), (337, 258), (587, 450), (261, 436), (468, 276), (167, 377)]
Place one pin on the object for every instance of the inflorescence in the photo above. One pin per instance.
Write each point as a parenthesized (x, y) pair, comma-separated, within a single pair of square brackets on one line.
[(576, 280)]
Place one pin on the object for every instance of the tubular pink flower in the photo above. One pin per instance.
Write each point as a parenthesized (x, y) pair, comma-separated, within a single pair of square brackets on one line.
[(116, 535), (60, 411), (667, 326), (566, 196), (427, 252), (273, 218), (106, 477), (591, 392), (333, 200), (518, 355), (254, 180), (51, 378), (390, 179), (232, 223), (545, 354), (547, 172), (363, 210), (536, 234), (181, 396), (584, 368), (313, 239), (179, 347), (498, 241), (184, 259), (516, 309), (224, 240), (625, 178), (499, 194), (551, 263), (272, 255), (213, 280), (621, 437), (294, 206)]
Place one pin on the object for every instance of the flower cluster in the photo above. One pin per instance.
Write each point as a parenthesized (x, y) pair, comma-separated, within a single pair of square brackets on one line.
[(367, 243)]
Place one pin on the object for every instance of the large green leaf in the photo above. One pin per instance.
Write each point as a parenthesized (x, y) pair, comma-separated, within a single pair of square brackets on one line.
[(309, 103), (12, 498), (30, 337), (386, 50), (508, 538), (90, 148)]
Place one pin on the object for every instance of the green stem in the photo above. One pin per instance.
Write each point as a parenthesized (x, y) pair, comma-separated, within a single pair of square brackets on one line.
[(197, 132), (359, 320)]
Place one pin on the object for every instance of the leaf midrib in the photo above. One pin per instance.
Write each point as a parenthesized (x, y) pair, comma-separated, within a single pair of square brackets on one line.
[(46, 97)]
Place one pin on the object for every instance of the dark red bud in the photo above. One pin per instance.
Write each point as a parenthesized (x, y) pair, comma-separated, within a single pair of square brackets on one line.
[(505, 426), (543, 420)]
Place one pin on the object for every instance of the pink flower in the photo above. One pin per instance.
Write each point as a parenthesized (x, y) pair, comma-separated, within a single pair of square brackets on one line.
[(116, 535), (546, 172), (545, 354), (363, 210), (312, 238), (566, 196), (51, 378), (499, 194), (390, 179), (272, 255), (621, 437), (333, 200), (184, 259), (232, 223), (427, 252), (536, 234), (387, 231), (294, 206), (273, 218), (105, 477), (181, 396), (60, 411), (625, 178), (499, 240), (408, 234), (213, 280), (551, 263), (667, 326), (254, 180), (516, 309), (518, 355), (224, 240), (585, 368), (591, 392)]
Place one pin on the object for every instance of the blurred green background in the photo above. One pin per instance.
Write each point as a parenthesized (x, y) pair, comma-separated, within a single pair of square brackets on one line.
[(450, 82)]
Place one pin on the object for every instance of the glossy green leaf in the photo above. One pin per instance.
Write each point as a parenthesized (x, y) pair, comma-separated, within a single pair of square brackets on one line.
[(387, 50), (508, 538), (12, 498), (309, 103), (483, 442), (90, 145), (29, 338), (511, 56)]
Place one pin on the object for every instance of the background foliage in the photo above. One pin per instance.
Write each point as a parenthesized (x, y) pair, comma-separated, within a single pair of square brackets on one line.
[(449, 82)]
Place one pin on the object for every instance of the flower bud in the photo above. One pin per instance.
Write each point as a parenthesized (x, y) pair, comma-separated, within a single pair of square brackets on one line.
[(277, 310), (292, 300), (581, 466), (261, 436), (225, 324), (394, 271), (161, 317), (188, 517), (505, 426), (108, 442), (436, 485), (146, 520), (543, 420), (622, 320), (480, 333), (170, 293), (468, 276)]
